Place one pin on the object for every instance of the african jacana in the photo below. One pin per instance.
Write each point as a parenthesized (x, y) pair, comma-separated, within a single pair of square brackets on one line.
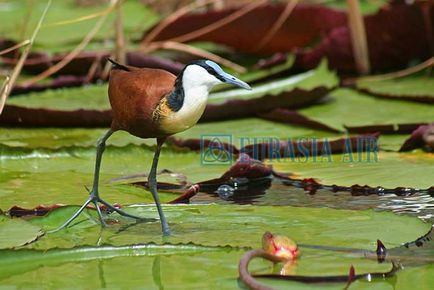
[(153, 103)]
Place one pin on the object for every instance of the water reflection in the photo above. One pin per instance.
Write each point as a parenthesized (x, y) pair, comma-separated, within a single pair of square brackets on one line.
[(236, 190), (420, 205)]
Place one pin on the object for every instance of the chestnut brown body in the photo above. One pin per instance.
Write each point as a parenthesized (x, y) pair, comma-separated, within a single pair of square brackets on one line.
[(134, 97)]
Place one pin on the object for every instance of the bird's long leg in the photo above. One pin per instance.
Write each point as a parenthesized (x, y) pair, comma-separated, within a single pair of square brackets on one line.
[(94, 194), (152, 183)]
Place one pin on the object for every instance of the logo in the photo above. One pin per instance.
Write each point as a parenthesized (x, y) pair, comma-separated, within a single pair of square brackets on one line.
[(216, 149)]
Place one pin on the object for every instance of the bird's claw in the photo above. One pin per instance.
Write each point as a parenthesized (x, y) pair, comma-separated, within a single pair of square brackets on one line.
[(96, 200)]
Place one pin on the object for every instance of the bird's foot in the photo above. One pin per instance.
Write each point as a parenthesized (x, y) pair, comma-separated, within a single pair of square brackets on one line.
[(95, 199), (166, 231), (123, 213)]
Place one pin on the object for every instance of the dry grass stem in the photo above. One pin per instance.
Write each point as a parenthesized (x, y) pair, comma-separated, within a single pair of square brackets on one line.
[(194, 51), (16, 46), (358, 37), (120, 38), (172, 17), (228, 19), (81, 18), (96, 65), (10, 81), (70, 56), (429, 63), (279, 22)]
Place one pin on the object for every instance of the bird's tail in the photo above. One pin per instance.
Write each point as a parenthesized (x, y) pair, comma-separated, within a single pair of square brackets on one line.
[(116, 65)]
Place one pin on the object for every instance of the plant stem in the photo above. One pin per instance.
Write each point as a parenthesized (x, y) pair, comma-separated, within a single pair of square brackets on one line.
[(10, 81), (120, 38), (358, 37)]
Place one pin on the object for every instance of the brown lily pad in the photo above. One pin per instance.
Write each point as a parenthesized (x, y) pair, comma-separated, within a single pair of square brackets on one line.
[(422, 137)]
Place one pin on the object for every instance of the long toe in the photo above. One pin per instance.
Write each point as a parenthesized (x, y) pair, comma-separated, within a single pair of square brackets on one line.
[(73, 217), (100, 215), (125, 214)]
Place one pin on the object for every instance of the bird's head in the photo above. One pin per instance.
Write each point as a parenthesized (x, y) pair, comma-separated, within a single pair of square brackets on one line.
[(207, 73)]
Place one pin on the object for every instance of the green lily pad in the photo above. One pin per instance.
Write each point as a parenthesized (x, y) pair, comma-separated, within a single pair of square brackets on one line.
[(350, 108), (93, 97), (220, 234), (390, 170), (309, 80), (250, 128), (24, 139), (31, 177), (236, 226), (413, 88), (392, 142), (55, 138), (160, 267), (255, 75), (16, 232), (366, 7), (64, 37)]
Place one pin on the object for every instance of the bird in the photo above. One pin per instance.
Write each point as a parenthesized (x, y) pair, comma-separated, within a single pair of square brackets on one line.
[(154, 103)]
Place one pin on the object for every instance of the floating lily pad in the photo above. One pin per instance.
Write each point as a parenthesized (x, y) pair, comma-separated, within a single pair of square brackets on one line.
[(219, 233), (386, 169), (415, 88), (208, 225), (309, 80), (166, 266), (250, 128), (348, 108), (258, 74), (31, 177), (65, 36), (56, 138), (93, 97), (16, 232)]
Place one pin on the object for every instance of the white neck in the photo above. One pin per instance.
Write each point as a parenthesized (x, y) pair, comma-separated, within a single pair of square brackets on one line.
[(196, 83)]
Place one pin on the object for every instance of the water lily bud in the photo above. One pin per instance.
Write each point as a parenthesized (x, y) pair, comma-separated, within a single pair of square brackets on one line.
[(280, 246)]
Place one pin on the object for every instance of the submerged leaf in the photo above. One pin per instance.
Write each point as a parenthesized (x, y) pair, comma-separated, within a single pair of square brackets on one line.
[(422, 137)]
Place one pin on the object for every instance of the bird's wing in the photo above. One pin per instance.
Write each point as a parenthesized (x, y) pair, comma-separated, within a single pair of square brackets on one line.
[(135, 94)]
